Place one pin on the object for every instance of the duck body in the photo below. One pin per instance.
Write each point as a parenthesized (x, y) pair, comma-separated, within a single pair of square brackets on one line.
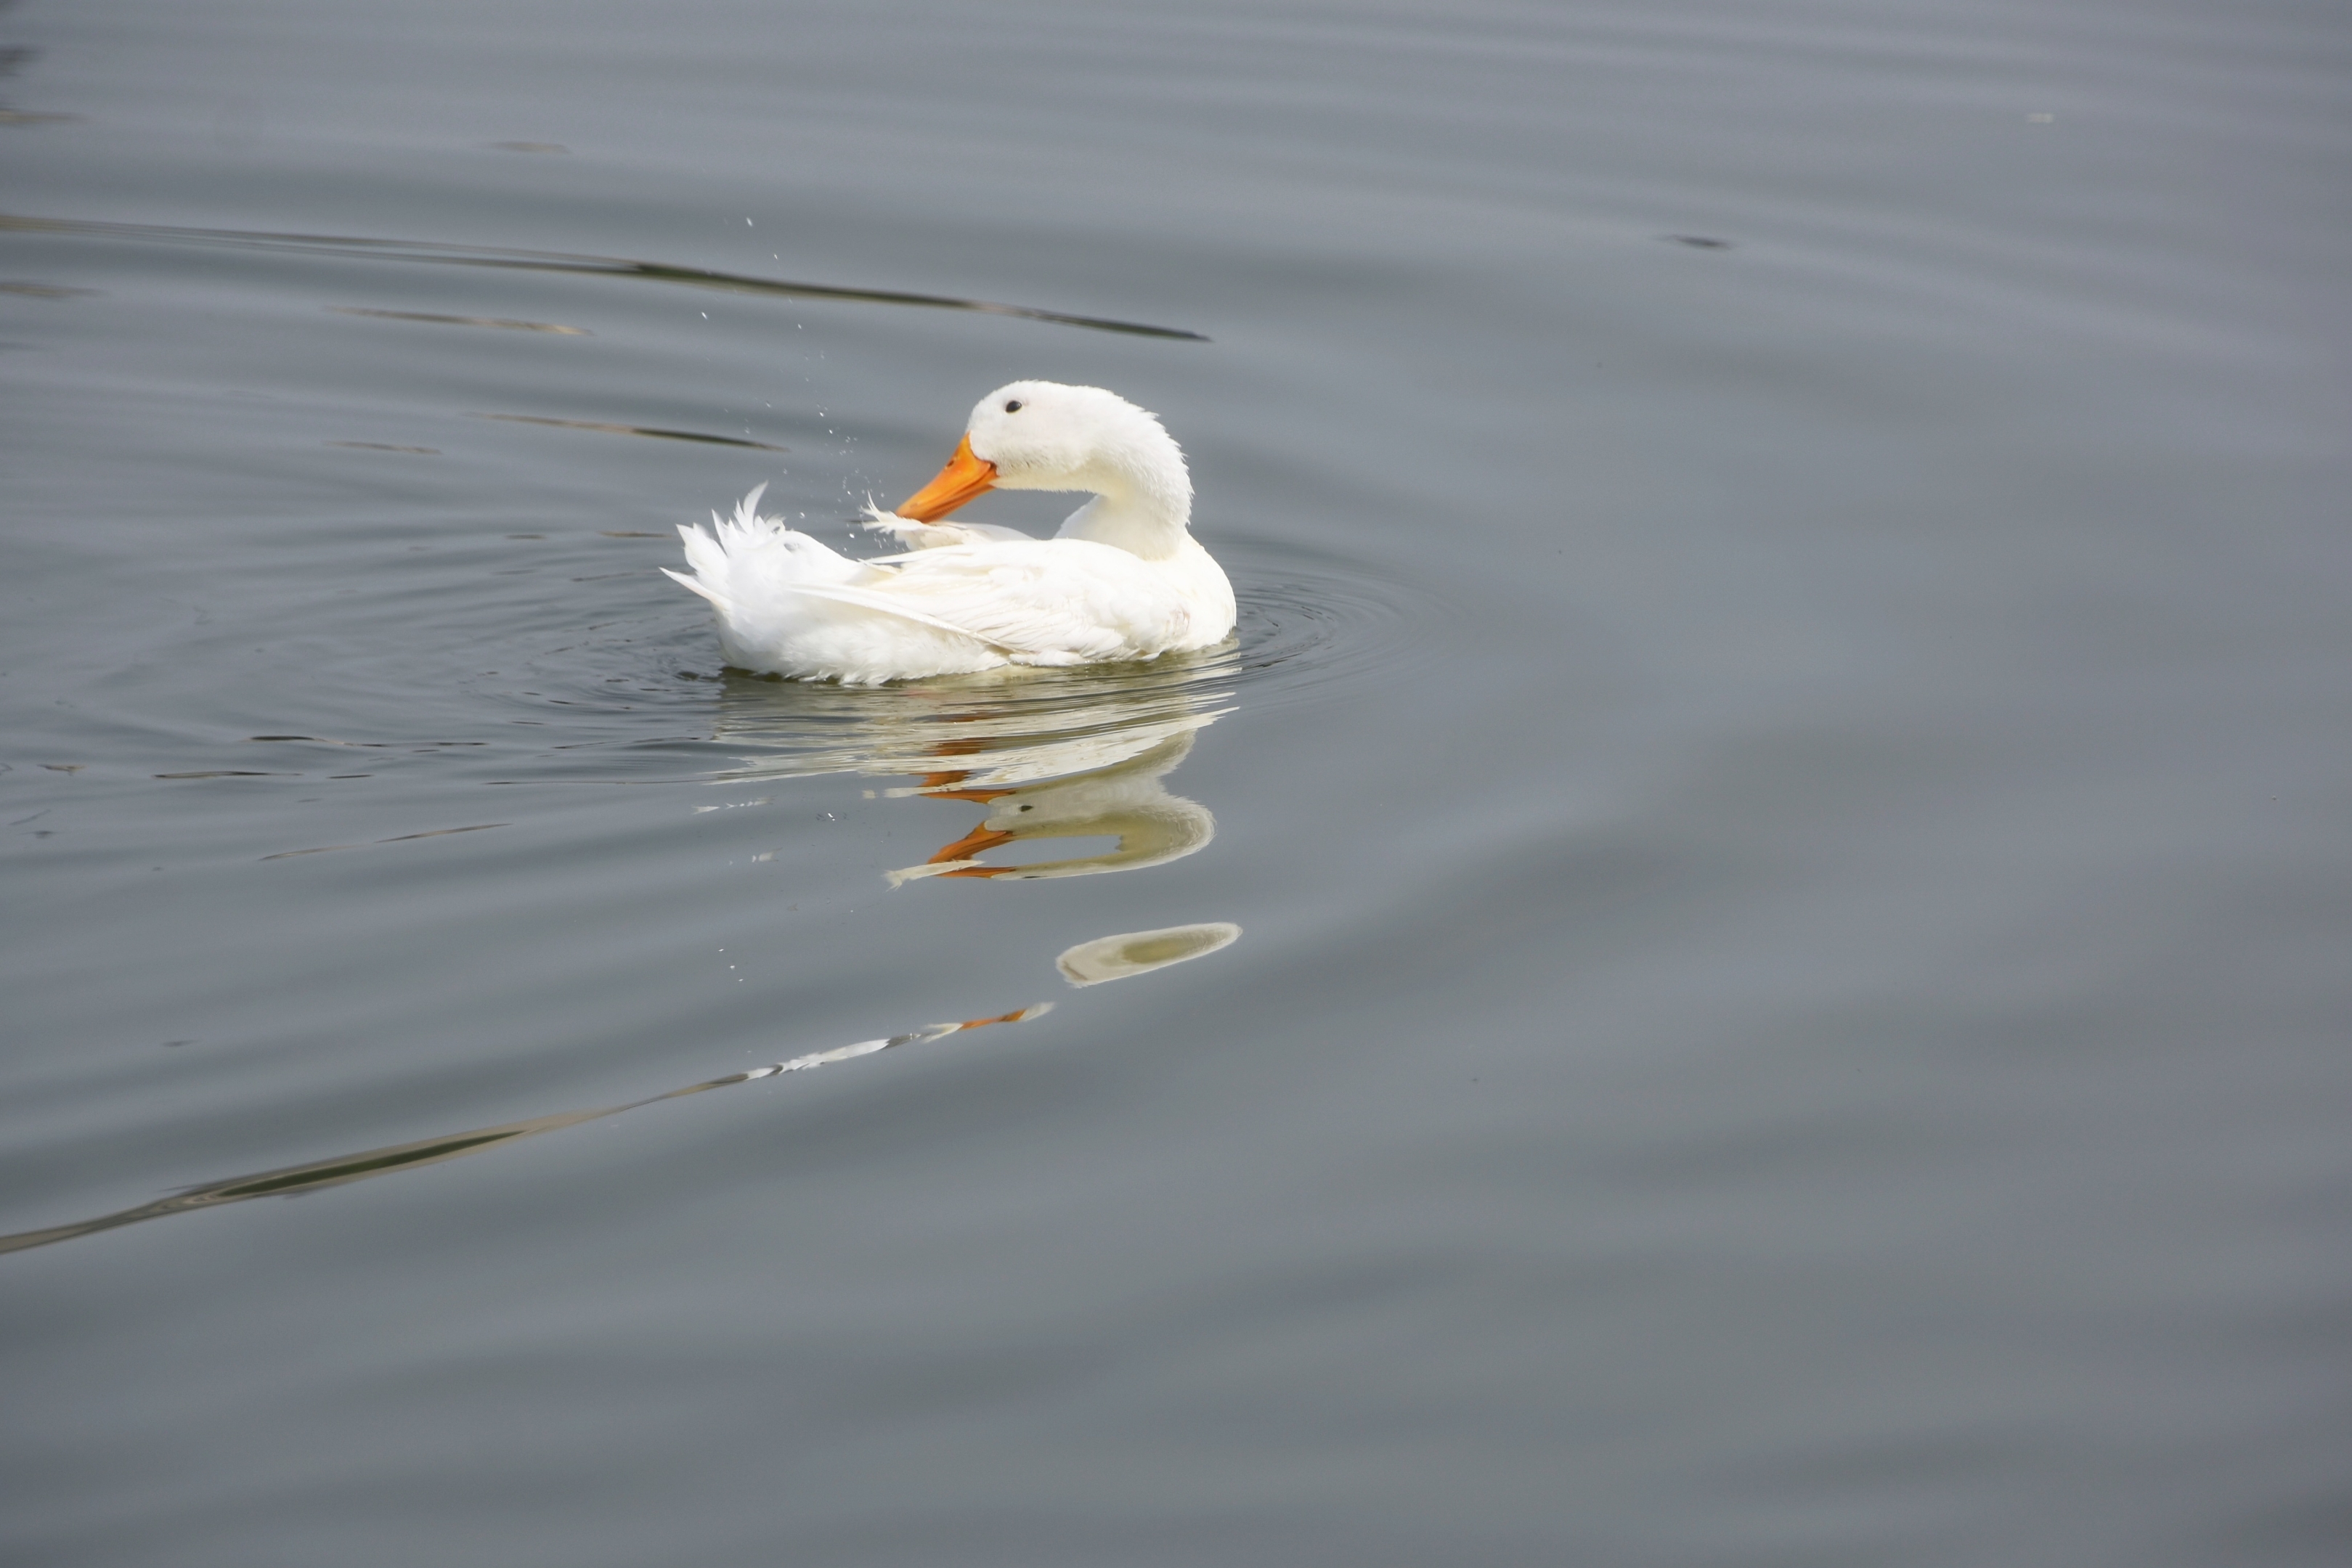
[(1122, 580)]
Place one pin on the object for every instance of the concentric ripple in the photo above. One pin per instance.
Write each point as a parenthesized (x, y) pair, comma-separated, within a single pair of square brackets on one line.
[(1308, 624)]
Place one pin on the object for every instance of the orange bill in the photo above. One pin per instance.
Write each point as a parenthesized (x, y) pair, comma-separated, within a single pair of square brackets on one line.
[(964, 477)]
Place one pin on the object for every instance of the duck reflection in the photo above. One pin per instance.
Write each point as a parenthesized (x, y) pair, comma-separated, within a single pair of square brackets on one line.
[(1080, 760), (1125, 802), (1132, 953), (1051, 759)]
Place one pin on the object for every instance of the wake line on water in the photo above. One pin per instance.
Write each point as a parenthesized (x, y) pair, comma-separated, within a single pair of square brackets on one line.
[(564, 261), (287, 1181)]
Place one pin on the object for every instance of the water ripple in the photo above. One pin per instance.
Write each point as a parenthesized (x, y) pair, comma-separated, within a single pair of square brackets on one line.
[(1309, 625), (506, 256)]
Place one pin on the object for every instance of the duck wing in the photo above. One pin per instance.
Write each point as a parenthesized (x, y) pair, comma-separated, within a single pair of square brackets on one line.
[(1038, 601)]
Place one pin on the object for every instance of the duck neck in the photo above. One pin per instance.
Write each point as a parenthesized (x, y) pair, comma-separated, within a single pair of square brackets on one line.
[(1142, 525)]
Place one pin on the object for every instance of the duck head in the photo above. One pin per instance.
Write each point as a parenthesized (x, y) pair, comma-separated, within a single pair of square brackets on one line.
[(1043, 435)]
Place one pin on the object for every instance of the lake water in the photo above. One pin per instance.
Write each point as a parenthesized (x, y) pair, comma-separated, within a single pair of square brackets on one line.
[(1744, 962)]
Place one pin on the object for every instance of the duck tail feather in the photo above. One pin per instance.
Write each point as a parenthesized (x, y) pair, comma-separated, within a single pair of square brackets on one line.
[(747, 511), (706, 556), (697, 585)]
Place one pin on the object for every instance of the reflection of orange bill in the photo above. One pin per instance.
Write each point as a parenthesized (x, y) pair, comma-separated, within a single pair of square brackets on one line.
[(964, 477), (970, 846), (1021, 1015)]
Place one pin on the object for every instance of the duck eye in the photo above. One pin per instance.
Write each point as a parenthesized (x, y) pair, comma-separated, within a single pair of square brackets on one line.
[(1013, 407)]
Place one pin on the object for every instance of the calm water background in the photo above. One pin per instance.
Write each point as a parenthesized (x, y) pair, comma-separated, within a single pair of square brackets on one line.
[(1786, 797)]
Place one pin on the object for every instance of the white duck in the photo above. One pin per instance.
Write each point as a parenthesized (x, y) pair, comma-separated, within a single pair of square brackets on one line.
[(1123, 579)]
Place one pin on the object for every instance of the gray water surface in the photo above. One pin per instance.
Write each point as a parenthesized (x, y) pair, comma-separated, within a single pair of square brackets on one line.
[(1745, 960)]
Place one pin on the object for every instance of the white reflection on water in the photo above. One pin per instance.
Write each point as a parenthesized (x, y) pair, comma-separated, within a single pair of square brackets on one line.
[(1051, 759), (1125, 802), (1140, 952), (337, 1170)]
